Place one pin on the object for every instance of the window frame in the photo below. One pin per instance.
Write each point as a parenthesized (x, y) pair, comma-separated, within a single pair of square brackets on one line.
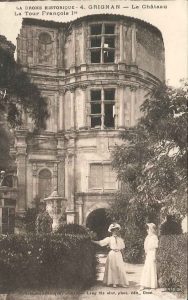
[(102, 102), (102, 49), (102, 188)]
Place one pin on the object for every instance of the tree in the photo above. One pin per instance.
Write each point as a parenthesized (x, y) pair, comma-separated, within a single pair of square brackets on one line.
[(4, 147), (151, 161), (18, 95)]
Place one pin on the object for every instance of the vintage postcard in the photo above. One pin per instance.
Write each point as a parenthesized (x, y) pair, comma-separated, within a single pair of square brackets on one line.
[(92, 149)]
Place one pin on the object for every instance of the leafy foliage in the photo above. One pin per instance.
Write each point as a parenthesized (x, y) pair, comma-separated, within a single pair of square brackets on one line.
[(30, 219), (18, 95), (21, 94), (151, 163), (72, 229), (38, 261), (4, 147), (172, 262), (133, 216), (171, 226), (44, 222), (152, 159)]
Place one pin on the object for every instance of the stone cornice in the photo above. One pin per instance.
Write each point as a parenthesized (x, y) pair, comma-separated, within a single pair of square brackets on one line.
[(95, 193), (89, 18), (133, 85), (55, 81), (42, 160), (129, 81), (72, 87), (88, 133)]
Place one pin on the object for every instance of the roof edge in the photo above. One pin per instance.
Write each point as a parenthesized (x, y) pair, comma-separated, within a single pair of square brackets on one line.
[(111, 17)]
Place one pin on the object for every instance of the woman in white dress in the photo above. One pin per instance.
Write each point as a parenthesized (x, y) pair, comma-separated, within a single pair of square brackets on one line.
[(115, 273), (149, 273)]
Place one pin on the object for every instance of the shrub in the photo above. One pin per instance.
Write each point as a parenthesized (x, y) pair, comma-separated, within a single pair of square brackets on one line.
[(56, 260), (30, 220), (72, 229), (134, 249), (172, 225), (20, 260), (171, 262), (44, 222)]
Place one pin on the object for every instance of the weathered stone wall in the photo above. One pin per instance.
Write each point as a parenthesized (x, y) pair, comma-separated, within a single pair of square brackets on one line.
[(136, 42), (38, 46), (150, 52), (69, 56)]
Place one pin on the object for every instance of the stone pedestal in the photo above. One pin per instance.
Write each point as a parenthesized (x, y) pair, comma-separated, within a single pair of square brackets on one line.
[(70, 216)]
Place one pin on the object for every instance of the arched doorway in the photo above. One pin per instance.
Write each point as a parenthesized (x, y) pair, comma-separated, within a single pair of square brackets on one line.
[(98, 221)]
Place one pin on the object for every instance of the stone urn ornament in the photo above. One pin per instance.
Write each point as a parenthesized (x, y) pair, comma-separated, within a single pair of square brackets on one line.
[(55, 206)]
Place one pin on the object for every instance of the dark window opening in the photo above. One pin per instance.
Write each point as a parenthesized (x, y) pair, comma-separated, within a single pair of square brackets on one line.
[(8, 220), (95, 95), (109, 94), (109, 115), (95, 108), (102, 108), (8, 181), (109, 42), (96, 56), (102, 37), (109, 29), (96, 29), (108, 56), (95, 121), (95, 42)]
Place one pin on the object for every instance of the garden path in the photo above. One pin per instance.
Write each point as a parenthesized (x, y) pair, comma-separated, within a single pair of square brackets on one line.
[(100, 292)]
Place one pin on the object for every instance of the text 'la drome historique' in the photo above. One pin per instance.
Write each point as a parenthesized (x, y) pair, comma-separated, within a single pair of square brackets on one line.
[(58, 10)]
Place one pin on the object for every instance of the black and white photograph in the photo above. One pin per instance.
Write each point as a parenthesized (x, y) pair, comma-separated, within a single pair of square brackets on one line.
[(93, 150)]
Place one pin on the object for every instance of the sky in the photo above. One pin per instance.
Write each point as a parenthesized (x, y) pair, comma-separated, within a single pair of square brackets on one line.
[(171, 21)]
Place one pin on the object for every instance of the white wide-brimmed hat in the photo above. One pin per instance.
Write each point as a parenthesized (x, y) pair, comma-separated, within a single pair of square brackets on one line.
[(114, 226)]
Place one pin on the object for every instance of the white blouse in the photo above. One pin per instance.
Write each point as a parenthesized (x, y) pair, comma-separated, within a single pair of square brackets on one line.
[(151, 243), (114, 242)]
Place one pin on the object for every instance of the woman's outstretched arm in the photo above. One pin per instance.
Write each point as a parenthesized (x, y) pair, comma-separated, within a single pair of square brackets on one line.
[(95, 242), (102, 243)]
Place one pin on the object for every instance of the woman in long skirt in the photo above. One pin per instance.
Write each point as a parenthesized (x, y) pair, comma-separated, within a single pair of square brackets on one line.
[(115, 273), (149, 273)]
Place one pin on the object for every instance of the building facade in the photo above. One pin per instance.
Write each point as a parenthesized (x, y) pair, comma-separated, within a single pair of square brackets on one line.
[(95, 72)]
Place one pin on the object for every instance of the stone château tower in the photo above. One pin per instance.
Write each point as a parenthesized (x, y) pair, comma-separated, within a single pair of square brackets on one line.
[(95, 73)]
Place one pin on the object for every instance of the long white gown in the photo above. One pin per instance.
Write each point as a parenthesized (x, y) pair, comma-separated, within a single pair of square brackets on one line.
[(115, 272), (149, 273)]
